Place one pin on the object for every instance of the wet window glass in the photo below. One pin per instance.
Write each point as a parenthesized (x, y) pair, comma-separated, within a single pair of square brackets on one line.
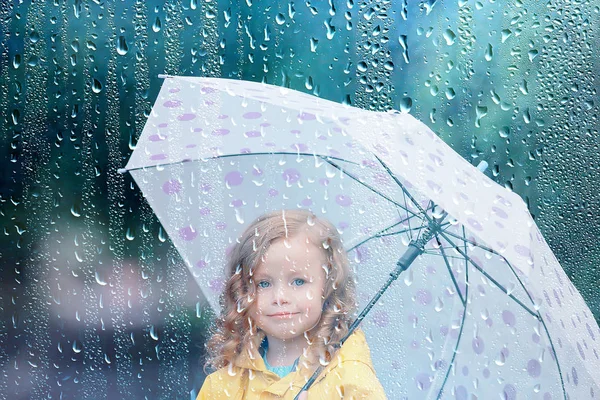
[(98, 302)]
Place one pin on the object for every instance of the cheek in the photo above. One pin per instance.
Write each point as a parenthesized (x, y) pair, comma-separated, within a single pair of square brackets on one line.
[(256, 309)]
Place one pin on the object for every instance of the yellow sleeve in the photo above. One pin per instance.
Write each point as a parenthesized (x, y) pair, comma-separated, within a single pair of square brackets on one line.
[(206, 390), (358, 381)]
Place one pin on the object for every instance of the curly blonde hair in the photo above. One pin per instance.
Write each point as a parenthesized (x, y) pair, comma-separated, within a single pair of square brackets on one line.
[(234, 330)]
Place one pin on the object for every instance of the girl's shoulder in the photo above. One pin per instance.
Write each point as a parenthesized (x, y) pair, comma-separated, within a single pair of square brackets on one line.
[(222, 383), (356, 348), (353, 370)]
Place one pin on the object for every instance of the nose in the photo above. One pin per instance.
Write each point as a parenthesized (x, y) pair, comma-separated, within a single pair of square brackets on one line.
[(281, 295)]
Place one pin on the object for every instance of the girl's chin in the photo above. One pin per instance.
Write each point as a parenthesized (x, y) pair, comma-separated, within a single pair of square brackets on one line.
[(288, 336)]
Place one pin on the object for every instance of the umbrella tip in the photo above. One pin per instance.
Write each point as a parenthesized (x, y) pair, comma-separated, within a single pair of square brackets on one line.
[(122, 170), (482, 166), (164, 76)]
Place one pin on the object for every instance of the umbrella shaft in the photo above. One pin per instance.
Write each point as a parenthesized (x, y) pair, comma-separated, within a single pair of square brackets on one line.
[(407, 259)]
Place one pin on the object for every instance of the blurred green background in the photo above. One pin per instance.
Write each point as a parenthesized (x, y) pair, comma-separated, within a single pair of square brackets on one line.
[(95, 300)]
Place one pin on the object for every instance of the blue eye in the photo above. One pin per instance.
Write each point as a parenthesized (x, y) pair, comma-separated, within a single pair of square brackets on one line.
[(263, 284), (299, 281)]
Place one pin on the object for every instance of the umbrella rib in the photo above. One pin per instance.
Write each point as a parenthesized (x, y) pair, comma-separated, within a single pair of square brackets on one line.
[(405, 202), (555, 357), (429, 207), (382, 230), (434, 253), (474, 244), (242, 155), (463, 300), (406, 192), (459, 338), (495, 282), (392, 233), (466, 251), (328, 160)]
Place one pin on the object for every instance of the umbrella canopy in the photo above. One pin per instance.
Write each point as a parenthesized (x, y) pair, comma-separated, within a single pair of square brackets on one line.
[(486, 310)]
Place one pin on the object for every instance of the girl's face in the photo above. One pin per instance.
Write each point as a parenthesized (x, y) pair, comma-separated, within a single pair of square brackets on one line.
[(290, 282)]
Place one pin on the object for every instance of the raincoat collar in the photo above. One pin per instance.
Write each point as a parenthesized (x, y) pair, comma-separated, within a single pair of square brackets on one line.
[(264, 348), (354, 349)]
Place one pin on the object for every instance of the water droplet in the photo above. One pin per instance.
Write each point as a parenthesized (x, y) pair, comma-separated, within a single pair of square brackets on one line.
[(408, 277), (130, 234), (230, 370), (156, 26), (532, 54), (489, 52), (280, 19), (16, 61), (500, 358), (495, 96), (523, 87), (99, 279), (240, 308), (75, 211), (439, 305), (96, 86), (480, 111), (122, 48), (153, 333), (449, 37), (510, 288), (405, 104), (527, 116), (238, 217), (77, 347), (15, 116), (34, 37), (313, 45), (162, 236), (33, 61), (330, 29)]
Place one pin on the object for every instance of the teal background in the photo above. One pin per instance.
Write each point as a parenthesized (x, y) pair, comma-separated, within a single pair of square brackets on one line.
[(95, 300)]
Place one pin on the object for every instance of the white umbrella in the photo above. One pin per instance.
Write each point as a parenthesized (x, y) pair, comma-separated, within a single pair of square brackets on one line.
[(485, 309)]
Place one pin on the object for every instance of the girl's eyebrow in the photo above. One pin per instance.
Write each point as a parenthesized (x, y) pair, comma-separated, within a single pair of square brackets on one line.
[(262, 275)]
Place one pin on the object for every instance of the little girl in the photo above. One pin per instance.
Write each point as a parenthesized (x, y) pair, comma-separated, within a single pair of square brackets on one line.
[(288, 300)]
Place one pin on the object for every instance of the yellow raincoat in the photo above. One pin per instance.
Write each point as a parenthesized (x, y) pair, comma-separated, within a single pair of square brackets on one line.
[(349, 375)]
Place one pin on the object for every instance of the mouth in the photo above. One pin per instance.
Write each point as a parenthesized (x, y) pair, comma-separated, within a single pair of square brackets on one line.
[(283, 315)]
